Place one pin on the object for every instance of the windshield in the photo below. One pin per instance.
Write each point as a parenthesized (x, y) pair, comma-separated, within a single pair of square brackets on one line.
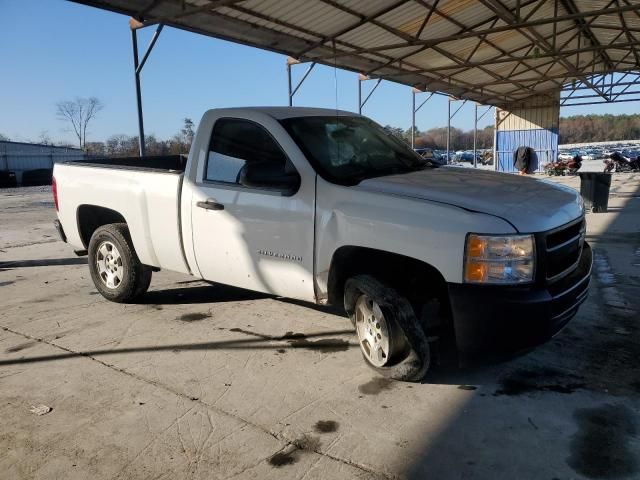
[(347, 150)]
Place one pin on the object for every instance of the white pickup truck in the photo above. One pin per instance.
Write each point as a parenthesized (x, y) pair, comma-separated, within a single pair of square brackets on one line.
[(326, 207)]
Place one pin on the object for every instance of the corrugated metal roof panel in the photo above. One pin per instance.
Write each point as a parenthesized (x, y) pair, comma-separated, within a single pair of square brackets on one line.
[(446, 55)]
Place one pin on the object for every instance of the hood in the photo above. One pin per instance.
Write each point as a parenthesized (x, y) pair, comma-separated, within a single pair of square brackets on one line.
[(529, 204)]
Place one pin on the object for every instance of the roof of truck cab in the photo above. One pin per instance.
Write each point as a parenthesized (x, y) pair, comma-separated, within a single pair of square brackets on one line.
[(280, 113)]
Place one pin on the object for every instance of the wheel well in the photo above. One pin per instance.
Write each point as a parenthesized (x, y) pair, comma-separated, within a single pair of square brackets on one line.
[(91, 217), (413, 278)]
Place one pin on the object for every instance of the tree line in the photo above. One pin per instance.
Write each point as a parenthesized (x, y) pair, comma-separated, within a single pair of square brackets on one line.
[(599, 128), (573, 129), (77, 114), (436, 138), (127, 145)]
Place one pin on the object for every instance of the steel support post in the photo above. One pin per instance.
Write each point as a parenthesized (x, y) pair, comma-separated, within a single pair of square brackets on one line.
[(134, 25), (448, 126), (414, 110), (475, 137), (292, 90), (290, 86), (413, 118), (495, 139), (362, 103), (136, 72)]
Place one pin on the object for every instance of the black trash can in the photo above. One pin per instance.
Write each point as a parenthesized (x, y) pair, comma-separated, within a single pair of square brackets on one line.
[(594, 189)]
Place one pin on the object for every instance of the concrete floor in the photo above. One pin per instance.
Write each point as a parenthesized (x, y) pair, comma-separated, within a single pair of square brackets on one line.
[(203, 381)]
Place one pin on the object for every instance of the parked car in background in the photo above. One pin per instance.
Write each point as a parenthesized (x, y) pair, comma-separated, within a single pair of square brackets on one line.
[(425, 152), (464, 156), (39, 176), (567, 154), (7, 179)]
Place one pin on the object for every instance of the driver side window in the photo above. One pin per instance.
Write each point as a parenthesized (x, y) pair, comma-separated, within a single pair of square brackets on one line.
[(236, 143)]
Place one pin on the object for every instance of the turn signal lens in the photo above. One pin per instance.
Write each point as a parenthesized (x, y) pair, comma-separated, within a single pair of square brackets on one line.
[(475, 246), (499, 259), (475, 272)]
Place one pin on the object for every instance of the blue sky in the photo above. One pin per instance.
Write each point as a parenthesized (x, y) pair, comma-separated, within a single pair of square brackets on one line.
[(53, 50)]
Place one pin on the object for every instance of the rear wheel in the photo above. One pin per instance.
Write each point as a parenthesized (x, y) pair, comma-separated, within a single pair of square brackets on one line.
[(390, 336), (116, 271)]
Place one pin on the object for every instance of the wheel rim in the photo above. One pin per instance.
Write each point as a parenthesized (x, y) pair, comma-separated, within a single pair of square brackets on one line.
[(373, 331), (109, 265)]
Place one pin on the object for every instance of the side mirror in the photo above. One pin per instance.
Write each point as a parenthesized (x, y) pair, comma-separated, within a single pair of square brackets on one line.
[(268, 176)]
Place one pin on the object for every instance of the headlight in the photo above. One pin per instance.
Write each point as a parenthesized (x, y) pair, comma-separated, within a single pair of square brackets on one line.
[(504, 259)]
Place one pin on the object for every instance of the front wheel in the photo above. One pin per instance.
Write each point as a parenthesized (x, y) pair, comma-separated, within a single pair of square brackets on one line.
[(390, 336), (115, 268)]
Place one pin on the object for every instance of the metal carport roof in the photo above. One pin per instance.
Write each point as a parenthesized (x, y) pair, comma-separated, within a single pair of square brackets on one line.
[(490, 51)]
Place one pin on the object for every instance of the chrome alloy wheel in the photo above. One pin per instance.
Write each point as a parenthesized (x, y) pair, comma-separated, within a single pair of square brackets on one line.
[(373, 331), (109, 263)]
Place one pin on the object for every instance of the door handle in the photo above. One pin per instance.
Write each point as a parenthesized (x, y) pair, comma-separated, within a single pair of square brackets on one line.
[(210, 205)]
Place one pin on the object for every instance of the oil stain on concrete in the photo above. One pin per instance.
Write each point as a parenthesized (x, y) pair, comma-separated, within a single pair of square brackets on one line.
[(326, 426), (290, 455), (193, 317), (299, 340), (375, 386), (282, 459), (325, 345), (527, 381), (602, 446)]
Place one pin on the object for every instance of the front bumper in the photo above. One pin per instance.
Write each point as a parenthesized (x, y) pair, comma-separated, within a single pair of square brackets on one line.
[(493, 320)]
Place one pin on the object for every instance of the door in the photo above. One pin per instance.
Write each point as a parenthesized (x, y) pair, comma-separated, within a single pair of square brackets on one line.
[(252, 214)]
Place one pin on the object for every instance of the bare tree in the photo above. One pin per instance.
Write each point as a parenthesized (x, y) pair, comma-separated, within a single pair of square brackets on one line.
[(78, 113), (45, 138), (187, 131)]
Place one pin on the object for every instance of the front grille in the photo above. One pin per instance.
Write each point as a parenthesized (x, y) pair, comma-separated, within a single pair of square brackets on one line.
[(571, 290), (563, 247), (557, 237)]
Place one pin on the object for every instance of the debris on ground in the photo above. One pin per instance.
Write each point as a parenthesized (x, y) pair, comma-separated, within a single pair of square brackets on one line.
[(40, 409)]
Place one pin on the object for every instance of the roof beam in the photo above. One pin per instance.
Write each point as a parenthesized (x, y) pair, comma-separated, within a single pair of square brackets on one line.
[(552, 55), (465, 86), (427, 17), (362, 21), (373, 21), (498, 29), (627, 33), (561, 57), (570, 7), (187, 12)]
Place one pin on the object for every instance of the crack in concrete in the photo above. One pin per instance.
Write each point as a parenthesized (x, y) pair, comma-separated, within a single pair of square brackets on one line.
[(277, 435)]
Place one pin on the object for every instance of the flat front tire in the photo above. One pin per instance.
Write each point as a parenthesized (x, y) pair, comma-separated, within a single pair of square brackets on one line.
[(116, 271), (390, 336)]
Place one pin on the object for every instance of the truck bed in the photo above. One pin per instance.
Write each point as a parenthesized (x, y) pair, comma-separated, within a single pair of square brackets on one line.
[(170, 163), (144, 191)]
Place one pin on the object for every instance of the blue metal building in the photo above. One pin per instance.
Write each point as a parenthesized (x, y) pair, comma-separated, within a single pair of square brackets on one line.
[(22, 157)]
